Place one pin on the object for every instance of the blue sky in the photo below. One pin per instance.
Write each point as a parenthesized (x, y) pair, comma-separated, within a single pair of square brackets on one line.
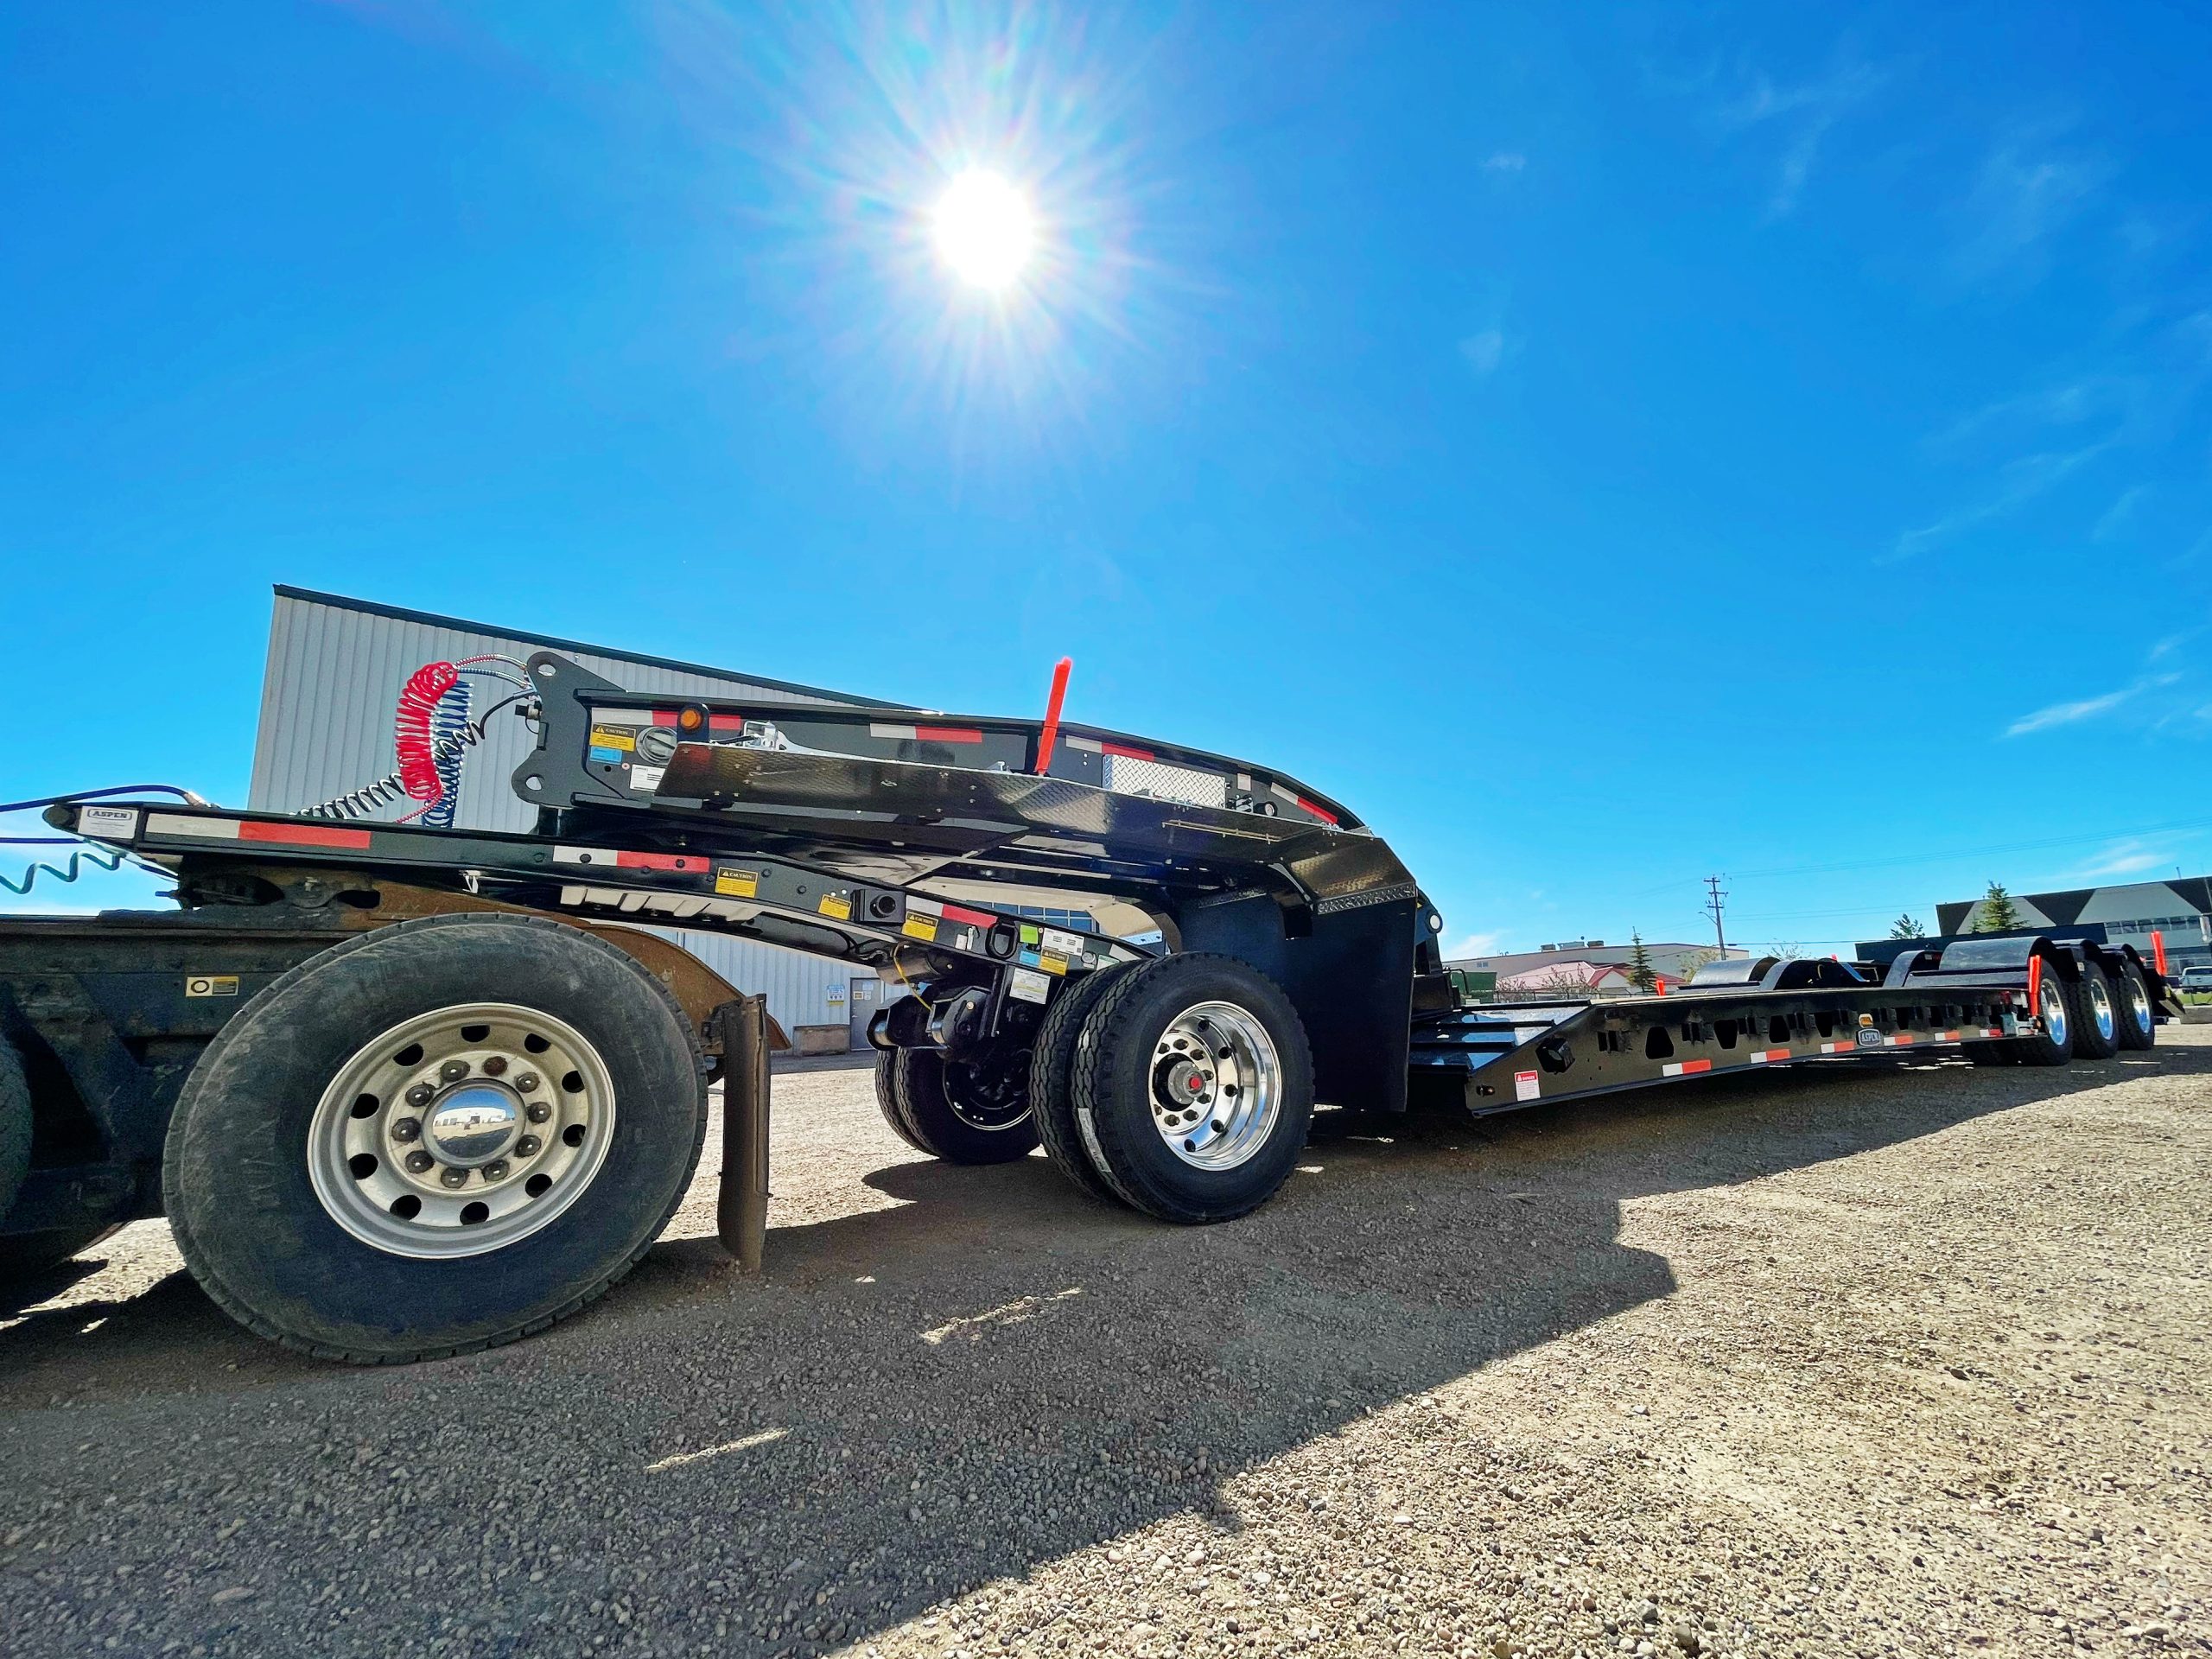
[(1603, 446)]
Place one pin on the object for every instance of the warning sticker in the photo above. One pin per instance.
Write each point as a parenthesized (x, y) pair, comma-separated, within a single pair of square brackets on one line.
[(108, 820), (920, 927), (1052, 964), (738, 883), (1028, 987), (1062, 945), (836, 905), (1524, 1086), (211, 984), (646, 778), (612, 737)]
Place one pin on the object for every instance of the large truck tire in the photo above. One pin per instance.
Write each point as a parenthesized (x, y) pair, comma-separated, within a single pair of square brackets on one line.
[(887, 1102), (959, 1110), (435, 1137), (15, 1127), (2053, 1044), (1193, 1087), (26, 1256), (2139, 1017), (1051, 1092), (2095, 1009)]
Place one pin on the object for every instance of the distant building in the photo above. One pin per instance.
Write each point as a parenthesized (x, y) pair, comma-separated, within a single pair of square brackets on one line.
[(1580, 978), (2180, 910), (1675, 960)]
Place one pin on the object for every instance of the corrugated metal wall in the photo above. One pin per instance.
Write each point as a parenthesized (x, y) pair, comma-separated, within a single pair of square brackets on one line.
[(334, 670)]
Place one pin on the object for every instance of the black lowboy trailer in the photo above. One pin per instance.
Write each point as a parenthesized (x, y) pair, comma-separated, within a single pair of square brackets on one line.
[(403, 1090)]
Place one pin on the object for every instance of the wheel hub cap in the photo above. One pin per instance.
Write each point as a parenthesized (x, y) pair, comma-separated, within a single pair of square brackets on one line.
[(475, 1123), (1216, 1085)]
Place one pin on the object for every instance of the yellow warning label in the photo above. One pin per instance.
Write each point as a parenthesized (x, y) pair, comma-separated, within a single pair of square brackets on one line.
[(740, 884), (211, 984), (921, 927), (612, 737), (836, 905), (1053, 964)]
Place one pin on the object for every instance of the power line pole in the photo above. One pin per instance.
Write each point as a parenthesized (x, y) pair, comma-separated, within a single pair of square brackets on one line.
[(1713, 902)]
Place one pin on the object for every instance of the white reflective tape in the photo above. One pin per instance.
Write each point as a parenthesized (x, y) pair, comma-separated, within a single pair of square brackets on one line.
[(917, 905), (1282, 794), (621, 716), (1088, 745), (164, 823), (878, 730)]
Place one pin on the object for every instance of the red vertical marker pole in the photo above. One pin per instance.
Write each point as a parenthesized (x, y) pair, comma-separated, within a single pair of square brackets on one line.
[(2035, 986), (1050, 735), (2158, 953)]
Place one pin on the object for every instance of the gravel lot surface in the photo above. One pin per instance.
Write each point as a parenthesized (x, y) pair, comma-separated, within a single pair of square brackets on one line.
[(1913, 1362)]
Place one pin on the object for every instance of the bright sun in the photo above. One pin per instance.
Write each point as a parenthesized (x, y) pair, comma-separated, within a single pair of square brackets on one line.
[(984, 229)]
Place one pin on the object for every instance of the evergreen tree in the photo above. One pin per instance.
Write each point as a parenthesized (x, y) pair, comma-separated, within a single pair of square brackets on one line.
[(1641, 974), (1999, 913), (1905, 927)]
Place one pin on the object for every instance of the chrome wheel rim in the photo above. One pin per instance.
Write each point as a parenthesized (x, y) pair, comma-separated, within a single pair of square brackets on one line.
[(2054, 1012), (2138, 1005), (461, 1131), (1216, 1085), (2101, 1011)]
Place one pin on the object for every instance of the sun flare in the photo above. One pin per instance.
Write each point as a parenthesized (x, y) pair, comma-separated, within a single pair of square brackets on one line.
[(985, 230)]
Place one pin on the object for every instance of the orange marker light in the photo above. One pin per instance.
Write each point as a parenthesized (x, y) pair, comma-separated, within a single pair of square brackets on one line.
[(690, 720)]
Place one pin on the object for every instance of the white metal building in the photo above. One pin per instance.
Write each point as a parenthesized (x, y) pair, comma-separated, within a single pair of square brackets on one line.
[(335, 669)]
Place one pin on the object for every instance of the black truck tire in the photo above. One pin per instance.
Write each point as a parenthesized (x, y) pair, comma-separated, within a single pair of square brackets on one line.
[(924, 1089), (2053, 1044), (2139, 1016), (1207, 1051), (887, 1102), (333, 1272), (15, 1127), (1052, 1094), (2095, 1008)]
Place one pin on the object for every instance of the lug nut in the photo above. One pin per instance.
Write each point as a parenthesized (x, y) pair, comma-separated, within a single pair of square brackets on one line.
[(453, 1070), (420, 1162), (496, 1170), (528, 1146), (408, 1128), (420, 1095), (454, 1178), (526, 1082), (495, 1066), (538, 1111)]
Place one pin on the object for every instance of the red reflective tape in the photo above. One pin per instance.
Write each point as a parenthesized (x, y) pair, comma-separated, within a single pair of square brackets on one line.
[(1904, 1039), (1689, 1066), (714, 722), (302, 835), (1775, 1054), (1126, 751), (660, 861), (1320, 812), (948, 734), (973, 917)]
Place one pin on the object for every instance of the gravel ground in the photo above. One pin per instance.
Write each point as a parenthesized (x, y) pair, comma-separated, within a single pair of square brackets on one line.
[(1910, 1363)]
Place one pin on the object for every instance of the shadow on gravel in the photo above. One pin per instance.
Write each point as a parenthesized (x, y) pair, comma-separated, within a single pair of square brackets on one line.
[(994, 1372)]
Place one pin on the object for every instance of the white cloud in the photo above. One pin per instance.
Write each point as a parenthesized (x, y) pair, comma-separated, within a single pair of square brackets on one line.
[(1506, 161), (2026, 193), (2124, 858), (2022, 481), (1483, 350), (1806, 113), (1475, 944), (2073, 714), (2117, 515)]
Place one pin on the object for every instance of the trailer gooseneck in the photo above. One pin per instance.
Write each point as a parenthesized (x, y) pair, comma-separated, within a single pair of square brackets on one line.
[(404, 1090)]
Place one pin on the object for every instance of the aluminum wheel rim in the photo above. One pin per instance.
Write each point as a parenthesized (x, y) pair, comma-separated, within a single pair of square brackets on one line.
[(461, 1130), (2138, 1005), (2102, 1012), (1216, 1085), (2054, 1014)]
